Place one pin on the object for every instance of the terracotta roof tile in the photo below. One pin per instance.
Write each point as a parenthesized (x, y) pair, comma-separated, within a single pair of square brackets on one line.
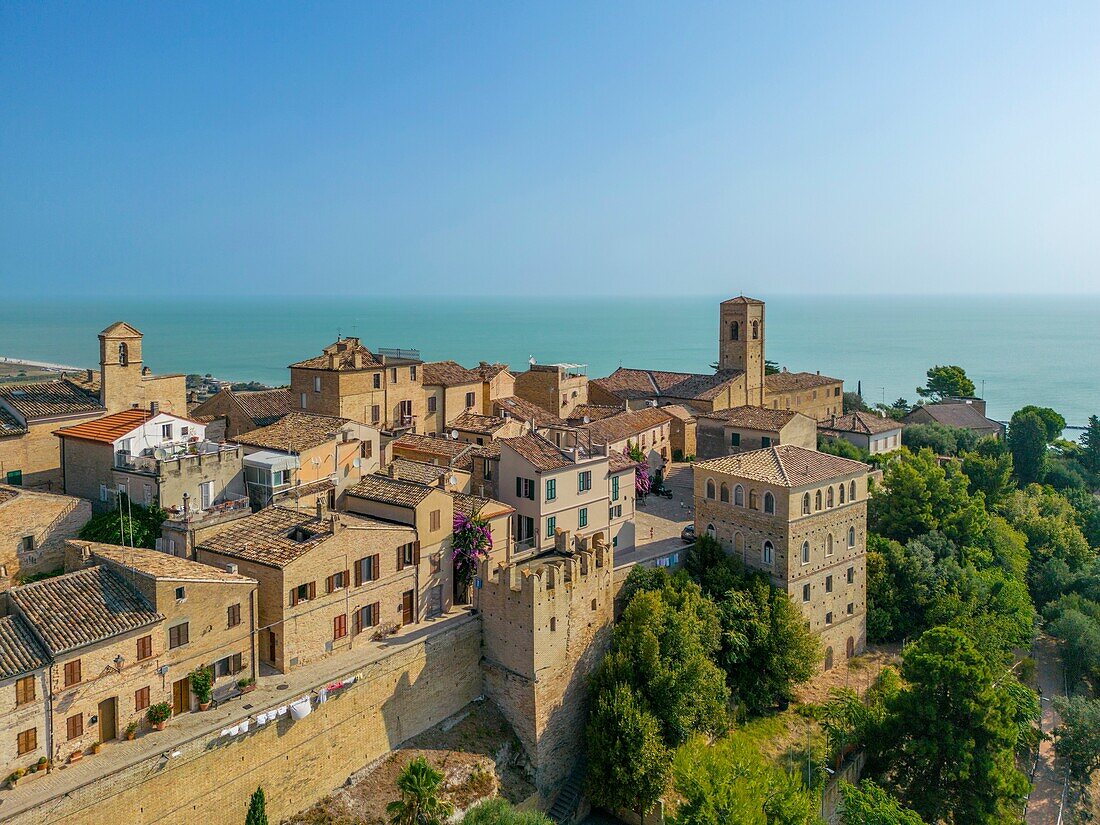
[(107, 429), (862, 422), (524, 410), (82, 608), (49, 399), (789, 381), (419, 471), (481, 424), (347, 354), (742, 299), (9, 424), (471, 506), (617, 462), (388, 490), (626, 425), (20, 651), (593, 412), (449, 374), (160, 565), (487, 371), (634, 384), (785, 465), (539, 452), (443, 447), (963, 416), (295, 432), (753, 418), (264, 406), (275, 536)]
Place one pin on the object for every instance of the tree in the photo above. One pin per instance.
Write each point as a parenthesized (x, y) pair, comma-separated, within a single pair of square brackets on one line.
[(628, 763), (938, 438), (500, 812), (1053, 422), (951, 735), (853, 402), (946, 381), (990, 475), (1090, 441), (128, 523), (420, 804), (1077, 738), (471, 541), (731, 782), (1028, 440), (840, 447), (257, 809), (771, 367), (868, 804)]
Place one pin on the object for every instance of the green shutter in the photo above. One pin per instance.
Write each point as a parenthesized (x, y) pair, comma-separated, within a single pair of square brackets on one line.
[(614, 488), (519, 487), (583, 522), (551, 523)]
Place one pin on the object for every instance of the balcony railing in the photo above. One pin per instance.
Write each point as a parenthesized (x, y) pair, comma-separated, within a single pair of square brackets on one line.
[(229, 504)]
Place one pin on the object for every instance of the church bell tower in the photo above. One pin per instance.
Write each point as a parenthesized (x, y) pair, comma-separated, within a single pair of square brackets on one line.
[(741, 344)]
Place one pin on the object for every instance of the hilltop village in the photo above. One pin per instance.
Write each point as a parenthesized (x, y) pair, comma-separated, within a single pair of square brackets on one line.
[(387, 539)]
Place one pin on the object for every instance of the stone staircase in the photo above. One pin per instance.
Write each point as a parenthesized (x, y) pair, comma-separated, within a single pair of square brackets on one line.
[(564, 809)]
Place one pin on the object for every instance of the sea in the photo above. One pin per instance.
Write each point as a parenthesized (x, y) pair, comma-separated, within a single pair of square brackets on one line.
[(1018, 349)]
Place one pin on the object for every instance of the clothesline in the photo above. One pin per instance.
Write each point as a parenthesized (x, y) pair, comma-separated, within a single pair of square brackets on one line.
[(298, 709)]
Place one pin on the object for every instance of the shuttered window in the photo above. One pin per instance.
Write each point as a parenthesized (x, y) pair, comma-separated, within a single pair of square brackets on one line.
[(74, 726), (26, 742), (178, 636), (144, 647), (72, 672), (339, 626), (233, 615), (24, 690), (141, 699)]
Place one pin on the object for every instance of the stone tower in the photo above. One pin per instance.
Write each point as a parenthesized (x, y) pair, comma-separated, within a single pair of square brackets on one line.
[(120, 367), (741, 344)]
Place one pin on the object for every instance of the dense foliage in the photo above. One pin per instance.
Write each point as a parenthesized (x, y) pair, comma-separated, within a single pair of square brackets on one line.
[(130, 524), (420, 803), (868, 804), (944, 382), (500, 812), (471, 542), (257, 809)]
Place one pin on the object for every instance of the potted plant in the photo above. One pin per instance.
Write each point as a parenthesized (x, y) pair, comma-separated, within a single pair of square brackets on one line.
[(96, 747), (131, 731), (76, 755), (43, 763), (246, 685), (16, 775), (202, 682), (159, 714)]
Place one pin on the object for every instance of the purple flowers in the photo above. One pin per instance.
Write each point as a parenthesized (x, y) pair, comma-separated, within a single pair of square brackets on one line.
[(470, 543)]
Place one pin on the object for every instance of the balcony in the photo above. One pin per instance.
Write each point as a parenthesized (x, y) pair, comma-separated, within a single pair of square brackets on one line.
[(150, 461), (228, 505)]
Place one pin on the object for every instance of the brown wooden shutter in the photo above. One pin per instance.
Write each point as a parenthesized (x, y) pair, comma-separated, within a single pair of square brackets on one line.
[(347, 577), (401, 557), (359, 572), (330, 584), (375, 568), (374, 611), (416, 552), (357, 626), (313, 590), (293, 596)]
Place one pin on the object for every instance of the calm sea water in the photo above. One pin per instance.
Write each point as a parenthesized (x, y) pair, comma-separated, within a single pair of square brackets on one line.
[(1026, 350)]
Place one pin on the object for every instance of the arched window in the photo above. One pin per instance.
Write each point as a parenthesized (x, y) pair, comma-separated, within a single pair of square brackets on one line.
[(753, 503), (829, 498), (805, 552), (852, 491), (710, 530), (769, 552), (817, 500), (739, 496), (806, 504), (755, 330), (829, 544), (735, 331), (123, 354), (769, 503), (851, 536), (828, 658), (710, 488), (724, 492), (739, 545), (841, 493)]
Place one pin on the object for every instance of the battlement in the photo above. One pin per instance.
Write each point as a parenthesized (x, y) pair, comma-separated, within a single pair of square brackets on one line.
[(545, 576)]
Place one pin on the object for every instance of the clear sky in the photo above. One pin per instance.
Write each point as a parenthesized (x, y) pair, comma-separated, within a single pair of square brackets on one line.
[(151, 148)]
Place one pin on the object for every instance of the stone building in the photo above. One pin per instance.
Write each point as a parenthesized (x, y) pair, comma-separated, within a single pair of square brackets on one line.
[(152, 457), (496, 382), (328, 582), (546, 625), (801, 517), (818, 396), (446, 452), (347, 380), (34, 527), (962, 413), (471, 428), (637, 389), (126, 382), (533, 416), (244, 411), (556, 388), (649, 429), (872, 433), (741, 429), (24, 686), (29, 414), (450, 391)]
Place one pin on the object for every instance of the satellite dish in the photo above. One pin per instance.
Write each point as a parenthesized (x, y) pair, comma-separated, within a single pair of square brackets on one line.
[(316, 462), (454, 435), (357, 463), (587, 420), (160, 454), (454, 480)]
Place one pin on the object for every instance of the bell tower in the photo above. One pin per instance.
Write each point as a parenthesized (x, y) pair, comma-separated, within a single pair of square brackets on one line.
[(120, 367), (741, 344)]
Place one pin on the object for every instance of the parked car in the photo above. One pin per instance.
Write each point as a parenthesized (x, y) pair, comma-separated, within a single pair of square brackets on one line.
[(688, 534)]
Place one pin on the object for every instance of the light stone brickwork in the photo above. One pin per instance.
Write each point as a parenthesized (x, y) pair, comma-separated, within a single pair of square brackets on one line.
[(547, 624), (14, 719), (37, 453), (126, 382), (48, 520), (741, 344), (552, 387)]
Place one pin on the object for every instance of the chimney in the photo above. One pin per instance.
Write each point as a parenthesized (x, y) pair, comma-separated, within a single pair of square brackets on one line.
[(320, 508), (88, 376), (154, 407), (231, 568), (334, 522)]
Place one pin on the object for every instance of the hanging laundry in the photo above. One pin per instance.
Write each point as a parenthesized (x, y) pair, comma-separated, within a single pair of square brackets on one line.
[(282, 711)]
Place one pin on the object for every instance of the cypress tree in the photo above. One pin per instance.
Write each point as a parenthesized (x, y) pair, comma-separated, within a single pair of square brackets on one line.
[(257, 809)]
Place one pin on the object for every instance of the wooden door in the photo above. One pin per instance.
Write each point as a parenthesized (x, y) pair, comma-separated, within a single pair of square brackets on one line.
[(272, 646), (181, 696), (407, 603), (108, 724)]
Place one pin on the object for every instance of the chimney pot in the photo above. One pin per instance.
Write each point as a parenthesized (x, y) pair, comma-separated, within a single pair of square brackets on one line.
[(231, 568)]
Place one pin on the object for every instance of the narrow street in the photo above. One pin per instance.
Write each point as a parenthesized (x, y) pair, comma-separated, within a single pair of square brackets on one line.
[(1046, 797)]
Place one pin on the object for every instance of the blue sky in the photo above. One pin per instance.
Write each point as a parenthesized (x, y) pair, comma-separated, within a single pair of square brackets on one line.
[(235, 148)]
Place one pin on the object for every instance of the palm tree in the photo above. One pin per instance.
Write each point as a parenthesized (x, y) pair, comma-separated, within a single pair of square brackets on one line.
[(419, 804)]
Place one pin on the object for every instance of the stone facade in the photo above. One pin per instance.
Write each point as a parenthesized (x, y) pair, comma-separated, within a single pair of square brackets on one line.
[(556, 388), (741, 344), (126, 382), (33, 529), (717, 436)]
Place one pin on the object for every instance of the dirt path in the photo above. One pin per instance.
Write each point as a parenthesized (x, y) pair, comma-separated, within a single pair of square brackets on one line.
[(1046, 797)]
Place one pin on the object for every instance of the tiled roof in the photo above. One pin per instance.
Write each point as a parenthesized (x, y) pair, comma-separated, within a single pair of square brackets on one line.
[(265, 537), (296, 493), (681, 411), (388, 490), (788, 381), (7, 493), (341, 356), (9, 424), (753, 418), (265, 406), (474, 423), (445, 447), (593, 412), (524, 410), (629, 383), (785, 465), (742, 299), (490, 450), (448, 374), (471, 506), (20, 651), (294, 432), (617, 462), (962, 416), (160, 565), (539, 452), (49, 399), (863, 422), (626, 425), (120, 328), (82, 608), (418, 471), (487, 371), (107, 429)]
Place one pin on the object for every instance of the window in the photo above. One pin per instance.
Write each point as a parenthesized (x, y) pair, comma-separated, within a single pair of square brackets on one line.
[(753, 503), (739, 496), (829, 584), (817, 500), (724, 492), (584, 481), (408, 553), (280, 477), (769, 503), (184, 432), (487, 468), (26, 741), (829, 544), (302, 401), (144, 647), (614, 488), (805, 552), (851, 608), (836, 390), (375, 414), (551, 525), (74, 726), (551, 489), (852, 491), (851, 575), (412, 372), (181, 594), (735, 439), (104, 495), (829, 618), (366, 616), (851, 536), (24, 690), (178, 636), (769, 552), (841, 493), (710, 488), (141, 699), (525, 488), (26, 545), (339, 626), (123, 355), (755, 330), (805, 592), (393, 374), (233, 615), (366, 569), (303, 593), (378, 380), (72, 672), (765, 441), (711, 531), (432, 401), (166, 431), (735, 331), (206, 494), (829, 497), (470, 400), (582, 517), (553, 624), (806, 504), (368, 449)]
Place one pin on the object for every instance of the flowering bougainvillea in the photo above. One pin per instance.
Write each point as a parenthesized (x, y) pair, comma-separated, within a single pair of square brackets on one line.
[(470, 543), (641, 471)]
